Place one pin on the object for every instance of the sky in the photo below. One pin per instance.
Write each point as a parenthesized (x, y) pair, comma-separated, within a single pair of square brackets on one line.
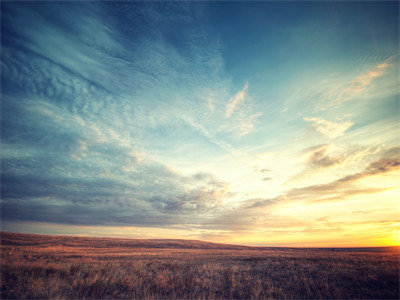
[(255, 123)]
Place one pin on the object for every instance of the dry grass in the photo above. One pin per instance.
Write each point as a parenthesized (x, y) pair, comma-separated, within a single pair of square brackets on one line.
[(67, 267)]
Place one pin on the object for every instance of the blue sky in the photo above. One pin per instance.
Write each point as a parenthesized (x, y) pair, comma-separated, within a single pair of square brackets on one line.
[(270, 123)]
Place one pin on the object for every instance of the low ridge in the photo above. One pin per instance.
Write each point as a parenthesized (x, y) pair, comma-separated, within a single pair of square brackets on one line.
[(22, 239)]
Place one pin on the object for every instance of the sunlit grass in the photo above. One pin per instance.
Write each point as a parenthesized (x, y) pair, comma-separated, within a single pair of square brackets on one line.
[(69, 267)]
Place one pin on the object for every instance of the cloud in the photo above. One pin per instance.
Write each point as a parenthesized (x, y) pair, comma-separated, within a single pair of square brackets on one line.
[(284, 109), (360, 155), (335, 190), (317, 157), (236, 100), (242, 124), (261, 202), (329, 129), (343, 187), (89, 129), (212, 138), (247, 124), (358, 85), (323, 157), (373, 79), (382, 166), (241, 119), (40, 192)]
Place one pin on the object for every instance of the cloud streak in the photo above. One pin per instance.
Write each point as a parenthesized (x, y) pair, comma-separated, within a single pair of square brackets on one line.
[(236, 100), (358, 85), (342, 187), (238, 111)]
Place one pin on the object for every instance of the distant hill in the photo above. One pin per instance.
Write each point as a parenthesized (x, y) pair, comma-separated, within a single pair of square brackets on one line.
[(22, 239)]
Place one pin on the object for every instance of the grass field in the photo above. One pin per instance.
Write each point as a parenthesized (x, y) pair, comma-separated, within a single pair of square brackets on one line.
[(35, 266)]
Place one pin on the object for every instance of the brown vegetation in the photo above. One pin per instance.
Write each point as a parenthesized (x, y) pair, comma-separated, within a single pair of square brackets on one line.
[(34, 266)]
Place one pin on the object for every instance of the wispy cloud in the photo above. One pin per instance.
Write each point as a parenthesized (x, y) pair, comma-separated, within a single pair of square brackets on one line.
[(247, 123), (211, 137), (344, 187), (372, 78), (241, 119), (322, 161), (329, 129), (359, 84), (236, 100)]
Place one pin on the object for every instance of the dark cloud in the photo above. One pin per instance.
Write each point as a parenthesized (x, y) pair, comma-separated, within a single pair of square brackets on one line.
[(318, 157), (382, 166), (56, 173), (109, 185), (100, 201), (260, 202)]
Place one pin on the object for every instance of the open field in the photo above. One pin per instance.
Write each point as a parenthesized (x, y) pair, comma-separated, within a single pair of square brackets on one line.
[(35, 266)]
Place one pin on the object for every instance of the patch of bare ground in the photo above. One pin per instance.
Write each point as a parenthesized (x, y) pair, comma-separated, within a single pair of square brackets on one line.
[(37, 266)]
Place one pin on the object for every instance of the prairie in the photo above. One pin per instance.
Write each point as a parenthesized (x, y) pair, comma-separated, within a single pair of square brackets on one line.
[(38, 266)]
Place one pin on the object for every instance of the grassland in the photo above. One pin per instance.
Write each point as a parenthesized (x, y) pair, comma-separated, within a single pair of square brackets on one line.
[(35, 266)]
